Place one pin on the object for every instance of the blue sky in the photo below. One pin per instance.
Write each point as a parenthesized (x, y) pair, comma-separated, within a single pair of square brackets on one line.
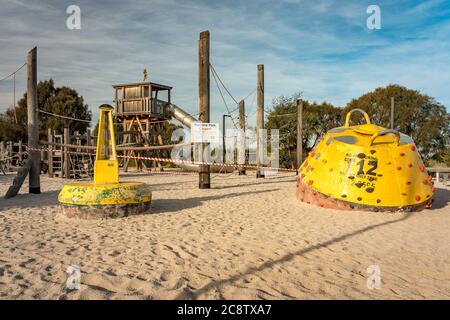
[(322, 47)]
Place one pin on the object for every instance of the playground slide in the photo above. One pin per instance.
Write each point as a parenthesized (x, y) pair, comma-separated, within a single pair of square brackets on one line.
[(187, 120)]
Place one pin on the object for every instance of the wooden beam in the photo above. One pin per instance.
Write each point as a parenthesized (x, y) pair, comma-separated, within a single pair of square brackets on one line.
[(392, 112), (260, 123), (66, 167), (50, 154), (34, 183), (299, 134), (75, 146), (204, 102), (241, 138)]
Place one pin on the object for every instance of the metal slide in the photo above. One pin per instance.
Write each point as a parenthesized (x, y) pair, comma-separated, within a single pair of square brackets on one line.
[(187, 120)]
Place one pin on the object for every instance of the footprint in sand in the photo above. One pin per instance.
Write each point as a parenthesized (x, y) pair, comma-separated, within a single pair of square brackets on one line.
[(115, 253)]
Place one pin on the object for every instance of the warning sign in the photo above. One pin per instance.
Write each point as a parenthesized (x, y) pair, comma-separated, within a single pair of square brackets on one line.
[(205, 132)]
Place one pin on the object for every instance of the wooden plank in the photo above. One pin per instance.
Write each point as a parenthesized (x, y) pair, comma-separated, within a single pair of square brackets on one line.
[(34, 184), (204, 102), (299, 158), (260, 122), (241, 138), (50, 154), (18, 181), (66, 161)]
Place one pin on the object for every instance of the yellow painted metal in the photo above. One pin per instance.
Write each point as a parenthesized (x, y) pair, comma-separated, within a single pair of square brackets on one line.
[(105, 194), (105, 190), (368, 165), (106, 166)]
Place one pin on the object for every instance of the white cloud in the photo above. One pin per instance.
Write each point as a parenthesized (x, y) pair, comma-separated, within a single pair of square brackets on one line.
[(320, 48)]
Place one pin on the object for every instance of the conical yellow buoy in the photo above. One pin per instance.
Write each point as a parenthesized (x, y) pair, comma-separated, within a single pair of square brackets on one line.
[(365, 167), (106, 197)]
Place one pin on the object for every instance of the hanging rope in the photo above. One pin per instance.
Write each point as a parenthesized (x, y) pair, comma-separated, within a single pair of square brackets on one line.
[(223, 99), (220, 80), (13, 73), (252, 92), (14, 88), (282, 115), (63, 117)]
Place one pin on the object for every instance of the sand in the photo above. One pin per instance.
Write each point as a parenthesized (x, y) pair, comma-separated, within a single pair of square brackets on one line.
[(246, 238)]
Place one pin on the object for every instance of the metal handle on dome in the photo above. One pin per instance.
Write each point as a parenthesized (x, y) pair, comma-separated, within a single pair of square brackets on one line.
[(347, 118), (384, 132)]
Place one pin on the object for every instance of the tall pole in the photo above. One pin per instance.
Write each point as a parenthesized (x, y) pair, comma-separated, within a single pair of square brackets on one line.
[(223, 137), (50, 153), (241, 150), (299, 134), (66, 166), (34, 184), (14, 99), (260, 123), (392, 112), (203, 99)]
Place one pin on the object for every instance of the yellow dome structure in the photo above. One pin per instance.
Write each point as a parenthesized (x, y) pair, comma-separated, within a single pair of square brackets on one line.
[(365, 167), (105, 197)]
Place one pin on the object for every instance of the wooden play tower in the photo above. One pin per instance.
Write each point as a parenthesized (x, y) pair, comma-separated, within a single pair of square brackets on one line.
[(142, 110)]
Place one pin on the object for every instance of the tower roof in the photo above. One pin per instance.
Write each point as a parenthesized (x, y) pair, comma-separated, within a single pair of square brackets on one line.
[(154, 85)]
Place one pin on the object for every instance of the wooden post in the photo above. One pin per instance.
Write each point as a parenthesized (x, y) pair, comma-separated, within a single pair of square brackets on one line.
[(299, 134), (223, 139), (66, 166), (392, 112), (204, 99), (50, 153), (241, 151), (260, 123), (2, 150), (3, 155), (14, 98), (19, 154), (9, 153), (88, 137), (33, 123)]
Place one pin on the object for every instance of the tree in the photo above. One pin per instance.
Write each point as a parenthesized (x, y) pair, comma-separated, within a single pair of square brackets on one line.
[(317, 120), (63, 101), (417, 115)]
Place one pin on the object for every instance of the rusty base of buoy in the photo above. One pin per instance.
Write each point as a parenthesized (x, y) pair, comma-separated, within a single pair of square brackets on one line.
[(308, 195), (103, 211)]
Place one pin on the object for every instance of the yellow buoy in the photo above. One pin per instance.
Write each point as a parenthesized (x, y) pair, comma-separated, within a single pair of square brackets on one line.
[(365, 167), (105, 197)]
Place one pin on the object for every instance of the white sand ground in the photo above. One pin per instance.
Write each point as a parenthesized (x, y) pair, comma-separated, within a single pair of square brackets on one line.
[(243, 239)]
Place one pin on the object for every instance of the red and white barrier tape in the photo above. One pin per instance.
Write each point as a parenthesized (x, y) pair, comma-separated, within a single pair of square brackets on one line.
[(253, 166)]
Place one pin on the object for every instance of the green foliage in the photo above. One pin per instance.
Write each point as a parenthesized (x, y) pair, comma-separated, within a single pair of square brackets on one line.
[(9, 129), (445, 157), (317, 120), (417, 115), (62, 101)]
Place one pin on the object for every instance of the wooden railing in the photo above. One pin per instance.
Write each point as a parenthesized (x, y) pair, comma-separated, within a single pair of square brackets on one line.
[(155, 107)]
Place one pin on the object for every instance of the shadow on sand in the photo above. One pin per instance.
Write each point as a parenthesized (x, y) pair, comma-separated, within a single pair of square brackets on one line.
[(172, 205), (50, 198), (441, 198), (187, 294)]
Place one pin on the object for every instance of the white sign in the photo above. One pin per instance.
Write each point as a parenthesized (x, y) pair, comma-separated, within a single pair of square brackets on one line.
[(205, 132)]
